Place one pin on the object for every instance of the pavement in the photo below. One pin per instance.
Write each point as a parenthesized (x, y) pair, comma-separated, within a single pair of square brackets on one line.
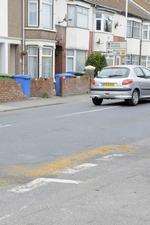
[(35, 102), (75, 164)]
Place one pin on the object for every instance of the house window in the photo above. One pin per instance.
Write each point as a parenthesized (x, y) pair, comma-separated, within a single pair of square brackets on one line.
[(136, 30), (47, 62), (80, 60), (132, 60), (103, 21), (33, 61), (70, 60), (129, 29), (78, 16), (135, 60), (146, 32), (98, 20), (47, 14), (145, 61), (71, 16), (76, 60), (107, 24), (82, 17), (33, 13), (133, 29)]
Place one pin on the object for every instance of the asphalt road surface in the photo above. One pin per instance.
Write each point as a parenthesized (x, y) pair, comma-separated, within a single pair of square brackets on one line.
[(75, 164)]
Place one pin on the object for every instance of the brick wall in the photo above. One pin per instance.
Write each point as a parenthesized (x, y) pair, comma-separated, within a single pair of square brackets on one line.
[(42, 87), (76, 85), (10, 91)]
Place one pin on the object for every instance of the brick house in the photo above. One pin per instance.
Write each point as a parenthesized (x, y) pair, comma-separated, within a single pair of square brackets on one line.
[(27, 37), (85, 26)]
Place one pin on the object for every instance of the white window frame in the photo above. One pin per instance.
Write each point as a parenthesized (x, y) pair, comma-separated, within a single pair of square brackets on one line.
[(131, 59), (47, 56), (71, 57), (51, 4), (132, 26), (37, 10), (74, 57), (99, 19), (148, 32), (37, 56), (147, 61), (75, 22), (104, 15)]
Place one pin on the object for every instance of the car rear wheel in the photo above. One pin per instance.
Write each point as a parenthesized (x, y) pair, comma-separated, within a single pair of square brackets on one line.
[(97, 101), (135, 98)]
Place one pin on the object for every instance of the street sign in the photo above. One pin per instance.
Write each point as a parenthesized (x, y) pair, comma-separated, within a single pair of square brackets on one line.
[(118, 48)]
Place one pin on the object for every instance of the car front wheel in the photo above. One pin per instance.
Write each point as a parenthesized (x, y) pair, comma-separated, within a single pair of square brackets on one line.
[(97, 101)]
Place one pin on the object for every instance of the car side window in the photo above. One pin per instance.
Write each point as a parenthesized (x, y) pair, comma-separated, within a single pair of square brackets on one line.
[(138, 71), (146, 72)]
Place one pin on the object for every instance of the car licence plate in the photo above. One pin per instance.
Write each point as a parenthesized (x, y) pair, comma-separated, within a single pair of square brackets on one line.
[(108, 85)]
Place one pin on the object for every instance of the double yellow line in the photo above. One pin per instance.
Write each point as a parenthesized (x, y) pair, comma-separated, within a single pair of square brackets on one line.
[(46, 169)]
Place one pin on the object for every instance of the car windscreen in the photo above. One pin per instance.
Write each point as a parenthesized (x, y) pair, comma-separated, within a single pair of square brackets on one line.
[(114, 72)]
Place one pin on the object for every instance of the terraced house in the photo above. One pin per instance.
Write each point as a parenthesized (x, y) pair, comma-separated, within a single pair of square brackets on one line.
[(41, 37), (27, 37), (85, 26)]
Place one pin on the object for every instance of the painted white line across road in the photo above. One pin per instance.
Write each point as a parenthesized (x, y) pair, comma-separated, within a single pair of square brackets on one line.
[(86, 112), (13, 214), (112, 156), (39, 183), (5, 125), (79, 168)]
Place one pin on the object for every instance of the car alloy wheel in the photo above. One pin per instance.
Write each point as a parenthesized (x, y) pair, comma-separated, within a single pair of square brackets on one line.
[(135, 98)]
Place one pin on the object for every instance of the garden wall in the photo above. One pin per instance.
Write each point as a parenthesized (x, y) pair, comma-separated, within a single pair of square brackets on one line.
[(10, 91), (75, 85), (42, 87)]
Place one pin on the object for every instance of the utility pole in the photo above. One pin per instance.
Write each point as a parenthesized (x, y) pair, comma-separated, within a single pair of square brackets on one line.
[(126, 13), (126, 23)]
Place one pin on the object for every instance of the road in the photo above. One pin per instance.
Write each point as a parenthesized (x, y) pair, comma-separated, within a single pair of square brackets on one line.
[(75, 164)]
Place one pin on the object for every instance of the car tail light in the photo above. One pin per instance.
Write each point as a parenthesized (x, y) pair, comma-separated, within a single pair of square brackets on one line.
[(127, 82)]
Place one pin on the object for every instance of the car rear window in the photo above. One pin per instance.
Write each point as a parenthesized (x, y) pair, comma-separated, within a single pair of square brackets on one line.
[(111, 72)]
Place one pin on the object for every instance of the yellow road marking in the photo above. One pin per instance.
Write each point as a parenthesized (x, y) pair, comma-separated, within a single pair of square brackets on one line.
[(65, 162)]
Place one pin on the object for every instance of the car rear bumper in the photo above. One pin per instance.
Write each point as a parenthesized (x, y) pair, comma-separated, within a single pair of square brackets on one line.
[(112, 93)]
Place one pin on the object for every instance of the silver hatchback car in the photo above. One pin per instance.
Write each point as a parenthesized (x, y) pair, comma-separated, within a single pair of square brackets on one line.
[(130, 83)]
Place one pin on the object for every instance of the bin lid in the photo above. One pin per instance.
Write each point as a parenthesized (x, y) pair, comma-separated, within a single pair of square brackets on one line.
[(23, 76)]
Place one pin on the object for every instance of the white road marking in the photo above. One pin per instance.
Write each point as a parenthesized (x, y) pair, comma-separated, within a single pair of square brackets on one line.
[(86, 112), (5, 125), (39, 183), (110, 157), (5, 217), (79, 168), (12, 214)]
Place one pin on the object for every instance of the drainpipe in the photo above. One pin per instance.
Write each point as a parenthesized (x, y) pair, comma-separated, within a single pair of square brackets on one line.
[(126, 15), (23, 36), (141, 42), (126, 26)]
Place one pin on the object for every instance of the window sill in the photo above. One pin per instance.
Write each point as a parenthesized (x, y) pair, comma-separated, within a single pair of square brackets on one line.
[(134, 38), (40, 28), (145, 40), (78, 28), (104, 32)]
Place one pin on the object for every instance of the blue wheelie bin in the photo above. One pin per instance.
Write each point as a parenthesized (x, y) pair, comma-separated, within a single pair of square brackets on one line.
[(58, 77), (25, 81)]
